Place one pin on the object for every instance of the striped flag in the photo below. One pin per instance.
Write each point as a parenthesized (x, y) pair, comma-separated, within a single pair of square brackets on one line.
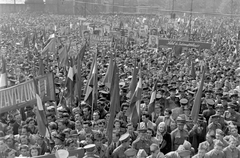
[(133, 82), (41, 67), (151, 105), (134, 107), (63, 56), (91, 88), (109, 74), (40, 114), (197, 100), (3, 75)]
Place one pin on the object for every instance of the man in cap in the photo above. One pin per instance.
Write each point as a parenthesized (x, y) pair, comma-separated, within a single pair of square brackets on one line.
[(216, 152), (59, 142), (89, 151), (179, 135), (231, 150), (210, 111), (233, 133), (119, 151), (142, 142), (101, 149), (232, 115)]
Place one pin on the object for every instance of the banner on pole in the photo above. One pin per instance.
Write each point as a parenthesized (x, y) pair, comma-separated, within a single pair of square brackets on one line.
[(25, 94), (191, 44)]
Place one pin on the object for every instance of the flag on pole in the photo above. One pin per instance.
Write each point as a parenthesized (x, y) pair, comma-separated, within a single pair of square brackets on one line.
[(79, 71), (26, 42), (70, 81), (197, 100), (151, 105), (91, 88), (50, 47), (109, 74), (114, 101), (40, 114), (63, 57), (134, 107), (3, 75), (133, 82)]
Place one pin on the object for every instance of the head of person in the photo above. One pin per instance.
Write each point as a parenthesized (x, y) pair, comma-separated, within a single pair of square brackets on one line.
[(34, 150), (86, 110), (145, 117), (24, 140), (96, 115), (62, 124), (233, 130), (125, 140), (25, 130), (117, 123), (130, 128), (124, 107), (218, 146), (18, 118), (30, 122), (59, 139), (89, 138), (87, 126), (233, 142), (70, 144), (167, 113), (10, 153), (9, 140), (161, 127), (154, 149), (3, 146), (219, 134), (180, 123), (39, 139), (150, 133), (209, 138), (24, 150), (115, 136), (153, 40), (142, 133)]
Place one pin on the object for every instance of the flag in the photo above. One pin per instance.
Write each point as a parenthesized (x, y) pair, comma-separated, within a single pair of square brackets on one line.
[(3, 75), (34, 38), (109, 74), (41, 67), (192, 72), (134, 107), (133, 82), (50, 47), (79, 72), (151, 105), (63, 57), (26, 42), (40, 114), (114, 101), (91, 88), (70, 81), (197, 100)]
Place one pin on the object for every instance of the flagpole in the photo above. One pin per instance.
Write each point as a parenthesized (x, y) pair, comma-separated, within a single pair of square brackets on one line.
[(190, 22)]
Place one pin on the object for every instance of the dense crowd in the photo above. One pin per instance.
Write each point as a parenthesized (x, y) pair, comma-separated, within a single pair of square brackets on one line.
[(167, 132)]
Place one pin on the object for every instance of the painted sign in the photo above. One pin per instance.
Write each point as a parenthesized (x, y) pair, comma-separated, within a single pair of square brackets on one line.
[(191, 44), (25, 94)]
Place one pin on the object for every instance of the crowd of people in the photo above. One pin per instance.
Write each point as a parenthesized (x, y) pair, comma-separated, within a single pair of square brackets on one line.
[(168, 132)]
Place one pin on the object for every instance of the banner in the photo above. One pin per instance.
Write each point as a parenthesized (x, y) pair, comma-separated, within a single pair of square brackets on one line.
[(78, 153), (191, 44), (100, 40), (24, 94)]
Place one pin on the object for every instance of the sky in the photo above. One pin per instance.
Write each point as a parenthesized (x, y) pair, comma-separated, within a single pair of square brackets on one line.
[(11, 1)]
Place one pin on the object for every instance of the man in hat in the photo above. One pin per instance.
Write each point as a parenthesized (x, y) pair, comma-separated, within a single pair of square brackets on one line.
[(231, 150), (179, 135), (119, 151), (210, 111), (216, 152), (142, 142), (89, 151), (232, 116), (101, 149), (233, 133), (146, 122)]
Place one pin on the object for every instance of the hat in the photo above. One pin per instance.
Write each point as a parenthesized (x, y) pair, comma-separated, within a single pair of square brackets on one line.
[(183, 101), (130, 152), (219, 143), (154, 147), (124, 137), (183, 152), (219, 106), (73, 133), (89, 147), (141, 153), (142, 130), (234, 95), (180, 120), (215, 116), (60, 136), (230, 105), (172, 89), (210, 102), (62, 153)]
